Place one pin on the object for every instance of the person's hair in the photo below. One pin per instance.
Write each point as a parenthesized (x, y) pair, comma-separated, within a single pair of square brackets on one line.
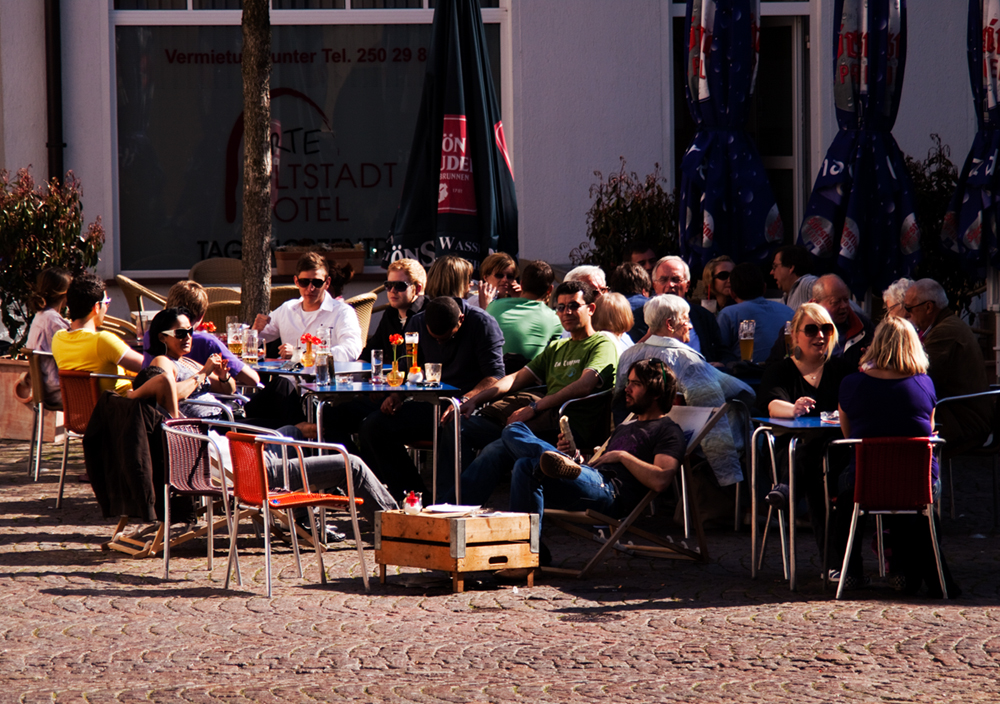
[(497, 262), (708, 274), (571, 288), (896, 347), (145, 374), (659, 380), (613, 313), (449, 276), (821, 316), (821, 287), (747, 282), (536, 277), (931, 290), (897, 290), (587, 272), (442, 315), (310, 261), (640, 247), (164, 320), (796, 258), (677, 260), (50, 286), (412, 268), (663, 308), (84, 291), (190, 295), (339, 277), (630, 279)]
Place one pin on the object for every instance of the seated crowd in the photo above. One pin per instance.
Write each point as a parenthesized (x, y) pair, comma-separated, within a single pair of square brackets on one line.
[(520, 346)]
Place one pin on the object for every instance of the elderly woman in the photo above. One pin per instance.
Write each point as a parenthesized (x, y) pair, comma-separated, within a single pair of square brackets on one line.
[(700, 383), (718, 295), (613, 319), (499, 278), (891, 396), (892, 297), (805, 384)]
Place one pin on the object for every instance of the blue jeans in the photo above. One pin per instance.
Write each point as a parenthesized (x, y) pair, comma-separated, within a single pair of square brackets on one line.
[(519, 446)]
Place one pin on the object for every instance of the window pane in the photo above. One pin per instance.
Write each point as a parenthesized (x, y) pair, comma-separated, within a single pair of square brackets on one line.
[(343, 109), (150, 4), (386, 4), (307, 4), (217, 4), (482, 3), (771, 112)]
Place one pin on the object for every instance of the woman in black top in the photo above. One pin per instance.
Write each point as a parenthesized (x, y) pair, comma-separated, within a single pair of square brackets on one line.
[(805, 383)]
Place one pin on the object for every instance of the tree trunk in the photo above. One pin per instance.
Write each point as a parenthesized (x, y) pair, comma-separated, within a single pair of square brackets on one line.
[(256, 68)]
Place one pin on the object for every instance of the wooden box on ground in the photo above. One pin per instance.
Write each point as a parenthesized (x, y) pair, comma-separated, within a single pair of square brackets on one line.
[(456, 543)]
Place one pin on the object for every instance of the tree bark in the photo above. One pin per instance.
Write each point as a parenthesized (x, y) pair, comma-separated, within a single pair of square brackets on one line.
[(256, 67)]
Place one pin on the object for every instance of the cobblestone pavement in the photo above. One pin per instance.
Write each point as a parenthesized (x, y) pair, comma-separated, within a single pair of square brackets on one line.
[(78, 624)]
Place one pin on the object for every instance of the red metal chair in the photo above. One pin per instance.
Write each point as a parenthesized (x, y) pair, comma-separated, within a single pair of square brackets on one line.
[(892, 475), (251, 488), (80, 391)]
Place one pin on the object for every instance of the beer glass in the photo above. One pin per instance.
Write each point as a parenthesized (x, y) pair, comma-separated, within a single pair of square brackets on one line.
[(250, 347), (747, 329)]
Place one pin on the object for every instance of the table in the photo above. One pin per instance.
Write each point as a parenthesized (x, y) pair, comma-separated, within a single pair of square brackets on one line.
[(273, 366), (441, 392), (798, 428), (457, 542)]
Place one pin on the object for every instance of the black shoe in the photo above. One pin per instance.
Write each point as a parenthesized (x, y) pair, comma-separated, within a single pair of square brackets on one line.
[(558, 466), (778, 497), (327, 534), (852, 582)]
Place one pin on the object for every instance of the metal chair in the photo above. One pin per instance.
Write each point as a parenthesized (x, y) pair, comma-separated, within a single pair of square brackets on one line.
[(892, 475), (217, 270), (80, 391), (39, 406), (990, 449), (134, 293), (251, 488)]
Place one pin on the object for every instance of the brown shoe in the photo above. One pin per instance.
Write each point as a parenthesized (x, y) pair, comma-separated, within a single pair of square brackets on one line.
[(558, 466)]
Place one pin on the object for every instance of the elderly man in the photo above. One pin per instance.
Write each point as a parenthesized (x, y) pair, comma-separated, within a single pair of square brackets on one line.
[(854, 328), (789, 271), (591, 275), (672, 275), (956, 365), (699, 382), (748, 291)]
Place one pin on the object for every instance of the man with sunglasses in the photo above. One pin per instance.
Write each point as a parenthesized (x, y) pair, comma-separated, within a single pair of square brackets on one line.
[(404, 287), (313, 313), (956, 365)]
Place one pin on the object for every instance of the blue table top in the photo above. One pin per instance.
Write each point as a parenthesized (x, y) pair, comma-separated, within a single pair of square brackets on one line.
[(366, 387), (807, 423)]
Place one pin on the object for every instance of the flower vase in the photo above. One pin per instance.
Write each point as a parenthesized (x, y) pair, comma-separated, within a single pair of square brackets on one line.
[(395, 377), (308, 357)]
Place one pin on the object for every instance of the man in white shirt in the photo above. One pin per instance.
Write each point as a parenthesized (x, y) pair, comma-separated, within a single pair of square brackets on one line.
[(314, 313)]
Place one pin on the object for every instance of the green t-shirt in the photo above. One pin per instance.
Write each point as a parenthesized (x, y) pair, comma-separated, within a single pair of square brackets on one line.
[(564, 361), (528, 326)]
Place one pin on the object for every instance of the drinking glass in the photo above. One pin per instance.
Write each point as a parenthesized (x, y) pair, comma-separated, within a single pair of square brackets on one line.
[(432, 373), (788, 338), (412, 342), (323, 369), (747, 329), (250, 347), (377, 367), (234, 338)]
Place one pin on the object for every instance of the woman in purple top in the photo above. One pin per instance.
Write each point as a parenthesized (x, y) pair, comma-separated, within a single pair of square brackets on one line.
[(891, 396)]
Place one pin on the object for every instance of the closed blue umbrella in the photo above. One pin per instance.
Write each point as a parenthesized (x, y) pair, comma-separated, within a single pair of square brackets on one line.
[(970, 224), (860, 220), (727, 205)]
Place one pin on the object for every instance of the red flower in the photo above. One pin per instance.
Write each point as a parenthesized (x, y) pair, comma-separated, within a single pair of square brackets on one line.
[(208, 326), (307, 338), (395, 339)]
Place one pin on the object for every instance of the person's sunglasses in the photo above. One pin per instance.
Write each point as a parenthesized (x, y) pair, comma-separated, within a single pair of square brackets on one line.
[(721, 276), (572, 307), (179, 333), (812, 329), (397, 286), (510, 276), (106, 300), (306, 283)]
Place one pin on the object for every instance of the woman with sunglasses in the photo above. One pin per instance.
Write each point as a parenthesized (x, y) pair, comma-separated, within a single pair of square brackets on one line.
[(718, 294), (806, 383), (169, 342), (499, 279)]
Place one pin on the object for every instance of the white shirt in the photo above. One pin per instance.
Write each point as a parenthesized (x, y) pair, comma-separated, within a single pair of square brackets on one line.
[(289, 322)]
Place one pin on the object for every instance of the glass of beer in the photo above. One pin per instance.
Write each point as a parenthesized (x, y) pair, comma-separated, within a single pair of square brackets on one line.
[(412, 341), (747, 329), (234, 338), (249, 347), (788, 338)]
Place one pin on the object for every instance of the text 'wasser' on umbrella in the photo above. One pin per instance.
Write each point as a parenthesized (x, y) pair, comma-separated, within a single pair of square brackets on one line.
[(458, 196), (860, 220), (727, 205), (970, 223)]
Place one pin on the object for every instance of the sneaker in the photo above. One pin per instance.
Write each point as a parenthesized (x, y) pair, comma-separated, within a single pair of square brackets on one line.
[(832, 575), (778, 497), (558, 466)]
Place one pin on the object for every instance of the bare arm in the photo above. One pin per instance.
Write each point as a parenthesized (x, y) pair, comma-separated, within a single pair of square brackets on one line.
[(486, 392), (585, 385), (656, 476), (131, 360), (783, 409)]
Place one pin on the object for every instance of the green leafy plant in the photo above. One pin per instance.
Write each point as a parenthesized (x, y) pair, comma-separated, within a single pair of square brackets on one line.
[(934, 182), (627, 208), (39, 227)]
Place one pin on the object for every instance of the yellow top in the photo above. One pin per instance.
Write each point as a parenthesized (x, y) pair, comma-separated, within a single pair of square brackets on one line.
[(85, 350)]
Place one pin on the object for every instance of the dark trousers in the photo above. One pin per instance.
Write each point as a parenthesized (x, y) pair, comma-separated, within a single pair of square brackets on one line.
[(277, 404)]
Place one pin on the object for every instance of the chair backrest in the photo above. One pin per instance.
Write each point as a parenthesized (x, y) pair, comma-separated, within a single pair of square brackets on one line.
[(217, 270), (601, 401), (280, 294), (35, 373), (187, 458), (363, 305), (135, 292), (221, 293), (695, 421), (893, 474), (218, 312), (249, 476), (80, 391)]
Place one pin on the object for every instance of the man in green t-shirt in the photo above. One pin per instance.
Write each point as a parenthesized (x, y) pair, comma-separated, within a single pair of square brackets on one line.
[(580, 365), (527, 322)]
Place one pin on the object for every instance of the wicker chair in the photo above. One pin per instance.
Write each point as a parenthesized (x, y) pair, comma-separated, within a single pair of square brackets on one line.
[(362, 305), (280, 294), (217, 270), (219, 311), (135, 292), (217, 294)]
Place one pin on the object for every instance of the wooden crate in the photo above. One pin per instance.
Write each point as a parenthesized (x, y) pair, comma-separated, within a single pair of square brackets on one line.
[(456, 543)]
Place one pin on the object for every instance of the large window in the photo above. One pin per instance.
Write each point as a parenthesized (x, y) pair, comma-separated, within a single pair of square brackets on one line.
[(344, 104)]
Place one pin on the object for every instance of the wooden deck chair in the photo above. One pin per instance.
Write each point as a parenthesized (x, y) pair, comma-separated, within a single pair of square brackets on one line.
[(696, 421), (134, 293)]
